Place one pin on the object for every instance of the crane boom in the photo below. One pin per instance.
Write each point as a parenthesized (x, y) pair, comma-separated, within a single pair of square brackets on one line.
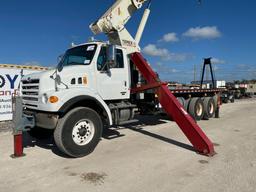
[(112, 23)]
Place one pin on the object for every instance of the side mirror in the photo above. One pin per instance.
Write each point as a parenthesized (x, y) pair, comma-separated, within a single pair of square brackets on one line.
[(111, 55), (60, 64), (59, 58)]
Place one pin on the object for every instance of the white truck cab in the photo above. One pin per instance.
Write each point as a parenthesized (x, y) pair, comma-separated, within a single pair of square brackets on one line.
[(93, 75)]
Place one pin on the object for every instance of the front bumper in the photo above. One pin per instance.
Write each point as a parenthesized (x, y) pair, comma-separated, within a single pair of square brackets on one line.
[(43, 120), (25, 119)]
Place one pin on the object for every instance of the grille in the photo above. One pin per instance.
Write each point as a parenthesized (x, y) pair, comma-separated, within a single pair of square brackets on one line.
[(30, 91), (32, 81)]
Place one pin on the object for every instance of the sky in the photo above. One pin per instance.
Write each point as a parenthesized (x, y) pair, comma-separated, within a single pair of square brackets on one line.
[(178, 35)]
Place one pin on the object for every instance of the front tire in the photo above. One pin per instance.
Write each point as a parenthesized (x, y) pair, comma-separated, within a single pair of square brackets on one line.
[(78, 132)]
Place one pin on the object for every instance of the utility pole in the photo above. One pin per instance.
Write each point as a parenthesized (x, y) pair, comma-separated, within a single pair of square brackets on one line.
[(194, 72)]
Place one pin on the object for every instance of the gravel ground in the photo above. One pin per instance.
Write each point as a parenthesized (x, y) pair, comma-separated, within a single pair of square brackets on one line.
[(150, 156), (6, 126)]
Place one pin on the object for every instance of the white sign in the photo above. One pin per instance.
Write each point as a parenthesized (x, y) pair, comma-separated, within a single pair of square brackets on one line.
[(9, 82)]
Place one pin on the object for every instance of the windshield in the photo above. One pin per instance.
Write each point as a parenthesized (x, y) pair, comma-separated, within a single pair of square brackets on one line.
[(81, 55)]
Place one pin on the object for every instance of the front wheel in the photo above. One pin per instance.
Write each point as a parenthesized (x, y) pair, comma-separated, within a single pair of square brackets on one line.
[(78, 132)]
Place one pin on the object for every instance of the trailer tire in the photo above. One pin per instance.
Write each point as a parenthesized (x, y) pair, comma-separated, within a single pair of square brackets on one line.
[(78, 132), (196, 108), (181, 101), (187, 101), (225, 100), (209, 107)]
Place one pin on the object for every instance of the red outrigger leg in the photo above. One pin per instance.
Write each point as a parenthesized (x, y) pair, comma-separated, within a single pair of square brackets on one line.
[(174, 109)]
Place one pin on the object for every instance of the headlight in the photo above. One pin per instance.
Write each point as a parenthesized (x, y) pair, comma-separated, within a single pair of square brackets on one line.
[(44, 98)]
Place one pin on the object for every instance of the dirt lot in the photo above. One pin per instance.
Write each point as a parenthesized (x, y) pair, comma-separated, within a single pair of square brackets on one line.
[(146, 157)]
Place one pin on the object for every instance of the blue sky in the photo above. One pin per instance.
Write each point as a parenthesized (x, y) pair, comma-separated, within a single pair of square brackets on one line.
[(178, 35)]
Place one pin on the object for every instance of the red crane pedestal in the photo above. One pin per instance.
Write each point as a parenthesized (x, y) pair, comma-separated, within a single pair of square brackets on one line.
[(174, 109)]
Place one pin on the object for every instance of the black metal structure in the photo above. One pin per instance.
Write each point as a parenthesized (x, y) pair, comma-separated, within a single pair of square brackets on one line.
[(207, 62)]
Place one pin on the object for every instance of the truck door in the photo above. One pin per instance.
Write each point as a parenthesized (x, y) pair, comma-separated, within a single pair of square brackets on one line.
[(113, 83)]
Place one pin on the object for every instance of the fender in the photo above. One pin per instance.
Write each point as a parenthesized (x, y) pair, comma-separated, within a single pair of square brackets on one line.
[(69, 98), (76, 99)]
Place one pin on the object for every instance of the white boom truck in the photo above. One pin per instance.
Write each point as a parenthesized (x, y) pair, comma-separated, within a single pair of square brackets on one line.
[(92, 87)]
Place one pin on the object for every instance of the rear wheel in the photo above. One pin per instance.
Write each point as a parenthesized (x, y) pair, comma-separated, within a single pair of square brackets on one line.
[(181, 100), (209, 107), (78, 132), (196, 108), (225, 100)]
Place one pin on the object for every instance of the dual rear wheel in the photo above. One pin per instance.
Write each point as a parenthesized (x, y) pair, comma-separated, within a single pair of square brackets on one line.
[(201, 108)]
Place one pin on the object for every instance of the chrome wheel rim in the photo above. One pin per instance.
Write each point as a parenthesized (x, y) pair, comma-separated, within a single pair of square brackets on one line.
[(199, 110), (83, 132)]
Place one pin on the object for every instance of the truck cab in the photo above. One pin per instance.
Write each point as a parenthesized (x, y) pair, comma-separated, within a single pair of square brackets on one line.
[(94, 76)]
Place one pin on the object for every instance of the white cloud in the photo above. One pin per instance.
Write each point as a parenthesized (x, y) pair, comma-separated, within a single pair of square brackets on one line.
[(152, 50), (164, 54), (163, 68), (216, 68), (169, 37), (217, 61), (207, 32)]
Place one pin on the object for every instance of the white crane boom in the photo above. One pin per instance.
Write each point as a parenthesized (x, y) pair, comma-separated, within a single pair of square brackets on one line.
[(112, 23)]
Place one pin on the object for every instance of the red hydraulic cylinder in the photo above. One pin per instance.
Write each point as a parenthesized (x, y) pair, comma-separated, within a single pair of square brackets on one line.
[(174, 109)]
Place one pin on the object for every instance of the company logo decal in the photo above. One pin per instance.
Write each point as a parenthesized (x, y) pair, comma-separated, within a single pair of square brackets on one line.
[(2, 81)]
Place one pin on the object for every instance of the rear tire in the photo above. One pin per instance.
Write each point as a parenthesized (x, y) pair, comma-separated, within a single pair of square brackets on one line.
[(209, 107), (78, 132), (225, 100), (196, 108), (182, 101)]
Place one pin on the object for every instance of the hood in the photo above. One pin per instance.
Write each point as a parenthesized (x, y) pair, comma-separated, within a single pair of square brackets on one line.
[(46, 83)]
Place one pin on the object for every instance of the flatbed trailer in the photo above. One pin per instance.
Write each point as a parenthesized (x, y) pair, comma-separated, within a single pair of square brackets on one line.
[(201, 104)]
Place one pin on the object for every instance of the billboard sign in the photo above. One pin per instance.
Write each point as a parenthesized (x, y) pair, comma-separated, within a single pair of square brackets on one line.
[(9, 83)]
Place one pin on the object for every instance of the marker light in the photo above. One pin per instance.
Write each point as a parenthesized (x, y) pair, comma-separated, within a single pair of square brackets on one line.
[(53, 99), (84, 80)]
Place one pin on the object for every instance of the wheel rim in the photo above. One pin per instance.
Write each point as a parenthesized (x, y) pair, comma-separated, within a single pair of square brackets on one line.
[(211, 108), (83, 132), (199, 110)]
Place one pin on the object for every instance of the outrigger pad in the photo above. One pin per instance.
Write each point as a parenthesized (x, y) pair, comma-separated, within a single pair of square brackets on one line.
[(174, 109)]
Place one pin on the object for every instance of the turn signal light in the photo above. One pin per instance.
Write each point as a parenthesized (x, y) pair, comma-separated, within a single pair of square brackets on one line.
[(53, 99)]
